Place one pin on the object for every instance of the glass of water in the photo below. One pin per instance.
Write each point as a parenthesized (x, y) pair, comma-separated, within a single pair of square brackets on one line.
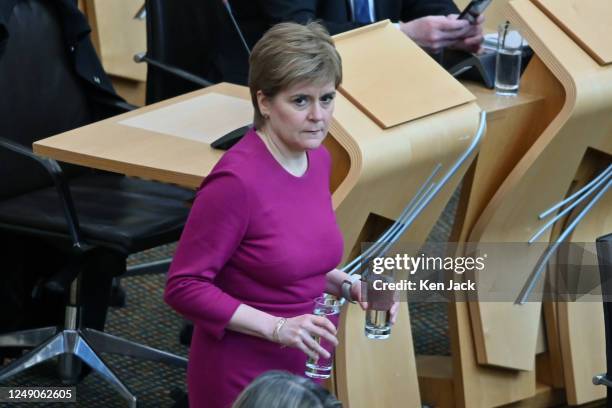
[(508, 64), (321, 368), (380, 297)]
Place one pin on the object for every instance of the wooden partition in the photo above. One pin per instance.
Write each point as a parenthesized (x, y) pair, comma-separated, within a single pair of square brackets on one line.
[(398, 114), (573, 121), (529, 161)]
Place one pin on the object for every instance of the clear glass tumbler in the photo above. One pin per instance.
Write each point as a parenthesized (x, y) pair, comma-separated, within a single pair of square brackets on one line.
[(380, 299), (321, 368), (508, 63)]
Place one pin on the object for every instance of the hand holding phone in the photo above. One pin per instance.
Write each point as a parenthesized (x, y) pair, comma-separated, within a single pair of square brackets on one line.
[(473, 10)]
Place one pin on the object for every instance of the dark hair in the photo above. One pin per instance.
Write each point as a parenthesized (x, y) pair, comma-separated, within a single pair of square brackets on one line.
[(280, 389), (289, 53)]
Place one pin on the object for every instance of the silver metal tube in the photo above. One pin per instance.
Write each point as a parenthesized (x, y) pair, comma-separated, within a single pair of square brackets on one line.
[(577, 193), (539, 268), (356, 263), (567, 209), (390, 235), (450, 173), (71, 315), (436, 187), (399, 220)]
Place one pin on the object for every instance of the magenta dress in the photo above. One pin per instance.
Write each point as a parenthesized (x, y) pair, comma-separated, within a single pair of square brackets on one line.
[(256, 235)]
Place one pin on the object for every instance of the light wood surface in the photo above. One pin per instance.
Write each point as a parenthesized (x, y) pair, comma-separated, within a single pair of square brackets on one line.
[(475, 382), (381, 373), (586, 21), (110, 145), (542, 177), (544, 396), (492, 347), (436, 380), (411, 86), (478, 385), (117, 35), (184, 119), (513, 126), (387, 166)]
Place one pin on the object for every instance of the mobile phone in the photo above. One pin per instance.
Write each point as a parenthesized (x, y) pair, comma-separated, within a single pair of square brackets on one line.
[(473, 10)]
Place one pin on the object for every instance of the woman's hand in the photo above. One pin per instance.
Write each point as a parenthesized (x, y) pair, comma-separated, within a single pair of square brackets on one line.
[(356, 295), (299, 332)]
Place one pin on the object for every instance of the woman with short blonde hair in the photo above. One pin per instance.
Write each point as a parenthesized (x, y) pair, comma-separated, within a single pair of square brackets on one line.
[(262, 242), (292, 53)]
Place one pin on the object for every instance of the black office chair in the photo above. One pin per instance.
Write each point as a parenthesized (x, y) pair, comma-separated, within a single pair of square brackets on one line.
[(85, 214), (604, 256), (179, 47)]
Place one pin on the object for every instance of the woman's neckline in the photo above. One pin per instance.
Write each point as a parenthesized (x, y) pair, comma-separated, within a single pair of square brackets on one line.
[(261, 137)]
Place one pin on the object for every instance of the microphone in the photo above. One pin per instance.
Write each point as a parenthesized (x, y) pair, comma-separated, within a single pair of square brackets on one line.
[(238, 30), (230, 139)]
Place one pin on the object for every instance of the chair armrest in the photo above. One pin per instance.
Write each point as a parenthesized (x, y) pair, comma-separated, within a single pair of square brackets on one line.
[(59, 180), (117, 105), (128, 107), (181, 73)]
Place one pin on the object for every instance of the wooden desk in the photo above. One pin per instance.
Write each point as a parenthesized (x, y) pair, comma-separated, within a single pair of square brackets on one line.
[(113, 146)]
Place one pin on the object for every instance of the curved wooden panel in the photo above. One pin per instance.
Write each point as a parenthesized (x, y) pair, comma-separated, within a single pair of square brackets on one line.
[(542, 176), (383, 169), (394, 95), (586, 21), (387, 166)]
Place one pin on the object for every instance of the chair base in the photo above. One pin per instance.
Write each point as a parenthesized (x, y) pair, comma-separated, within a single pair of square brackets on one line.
[(85, 344)]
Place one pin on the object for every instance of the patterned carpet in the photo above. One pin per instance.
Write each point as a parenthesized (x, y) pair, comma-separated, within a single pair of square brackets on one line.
[(146, 319)]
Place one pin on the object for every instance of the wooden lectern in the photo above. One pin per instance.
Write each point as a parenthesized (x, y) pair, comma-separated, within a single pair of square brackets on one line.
[(398, 114), (494, 345)]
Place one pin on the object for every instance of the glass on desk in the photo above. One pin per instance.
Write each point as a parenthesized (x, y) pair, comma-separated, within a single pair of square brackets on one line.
[(508, 64), (321, 368), (380, 299)]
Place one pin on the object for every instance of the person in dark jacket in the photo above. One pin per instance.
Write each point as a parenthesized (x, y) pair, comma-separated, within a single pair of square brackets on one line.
[(432, 24)]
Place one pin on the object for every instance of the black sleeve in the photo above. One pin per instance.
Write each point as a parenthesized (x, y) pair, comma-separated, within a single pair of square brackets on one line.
[(413, 9), (301, 11)]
